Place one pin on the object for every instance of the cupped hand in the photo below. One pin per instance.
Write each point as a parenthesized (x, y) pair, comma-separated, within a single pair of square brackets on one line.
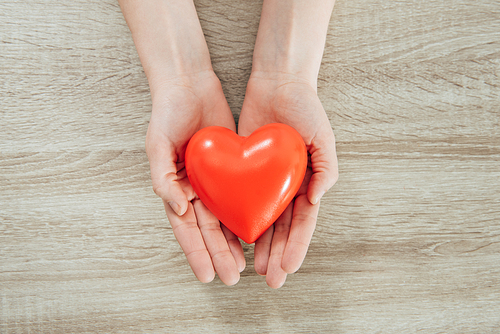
[(182, 106), (280, 98)]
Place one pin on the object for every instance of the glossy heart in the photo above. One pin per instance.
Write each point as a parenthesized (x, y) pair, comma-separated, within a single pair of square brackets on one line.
[(246, 182)]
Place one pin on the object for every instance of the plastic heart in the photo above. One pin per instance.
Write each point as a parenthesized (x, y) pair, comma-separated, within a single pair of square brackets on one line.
[(246, 182)]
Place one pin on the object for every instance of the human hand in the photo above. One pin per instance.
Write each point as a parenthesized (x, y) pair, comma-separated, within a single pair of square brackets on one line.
[(187, 96), (181, 107), (278, 98), (282, 88)]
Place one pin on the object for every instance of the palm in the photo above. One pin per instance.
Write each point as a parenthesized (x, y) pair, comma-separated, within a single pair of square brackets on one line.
[(183, 110), (290, 103)]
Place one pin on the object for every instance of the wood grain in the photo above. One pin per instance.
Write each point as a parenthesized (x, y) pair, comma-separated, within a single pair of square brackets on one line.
[(407, 241)]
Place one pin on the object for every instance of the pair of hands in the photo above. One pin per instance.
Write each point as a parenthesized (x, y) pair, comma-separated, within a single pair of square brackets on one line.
[(187, 96), (184, 105)]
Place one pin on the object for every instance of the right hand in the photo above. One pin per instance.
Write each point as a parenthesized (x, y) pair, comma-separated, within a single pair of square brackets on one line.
[(181, 107)]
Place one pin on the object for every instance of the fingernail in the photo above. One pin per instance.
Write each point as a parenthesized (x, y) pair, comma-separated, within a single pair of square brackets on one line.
[(317, 199), (176, 207)]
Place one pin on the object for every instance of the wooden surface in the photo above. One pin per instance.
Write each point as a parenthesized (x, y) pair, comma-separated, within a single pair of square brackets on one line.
[(407, 241)]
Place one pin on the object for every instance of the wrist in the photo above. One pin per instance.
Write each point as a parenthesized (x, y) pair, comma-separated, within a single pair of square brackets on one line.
[(291, 38), (273, 62), (168, 38), (197, 83), (274, 79)]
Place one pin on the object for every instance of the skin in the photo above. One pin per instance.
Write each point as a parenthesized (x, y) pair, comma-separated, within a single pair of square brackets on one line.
[(187, 96)]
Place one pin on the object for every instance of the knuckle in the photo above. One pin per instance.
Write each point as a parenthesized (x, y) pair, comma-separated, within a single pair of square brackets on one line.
[(304, 218), (186, 227), (161, 185), (221, 253), (157, 188)]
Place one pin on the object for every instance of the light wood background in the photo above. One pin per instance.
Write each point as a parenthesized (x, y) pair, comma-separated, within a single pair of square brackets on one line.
[(407, 241)]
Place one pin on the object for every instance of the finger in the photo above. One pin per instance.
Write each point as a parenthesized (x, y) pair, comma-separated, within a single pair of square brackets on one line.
[(324, 165), (185, 184), (301, 231), (216, 243), (188, 235), (276, 276), (235, 248), (164, 176), (262, 250)]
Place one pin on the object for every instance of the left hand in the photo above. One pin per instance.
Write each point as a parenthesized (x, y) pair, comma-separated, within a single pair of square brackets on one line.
[(279, 98)]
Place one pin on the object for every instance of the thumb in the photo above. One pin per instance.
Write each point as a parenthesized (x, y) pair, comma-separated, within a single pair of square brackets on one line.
[(325, 169), (165, 179), (168, 188)]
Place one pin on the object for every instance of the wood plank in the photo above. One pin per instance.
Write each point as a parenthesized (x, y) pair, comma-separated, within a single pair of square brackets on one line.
[(402, 243)]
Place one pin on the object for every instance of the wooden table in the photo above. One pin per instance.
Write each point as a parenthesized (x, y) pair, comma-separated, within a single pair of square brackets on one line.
[(407, 241)]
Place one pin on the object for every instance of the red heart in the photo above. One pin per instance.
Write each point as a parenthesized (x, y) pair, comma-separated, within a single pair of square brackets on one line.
[(246, 182)]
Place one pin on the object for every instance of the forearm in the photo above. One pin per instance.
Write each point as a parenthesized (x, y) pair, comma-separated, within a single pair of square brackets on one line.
[(291, 38), (168, 38)]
